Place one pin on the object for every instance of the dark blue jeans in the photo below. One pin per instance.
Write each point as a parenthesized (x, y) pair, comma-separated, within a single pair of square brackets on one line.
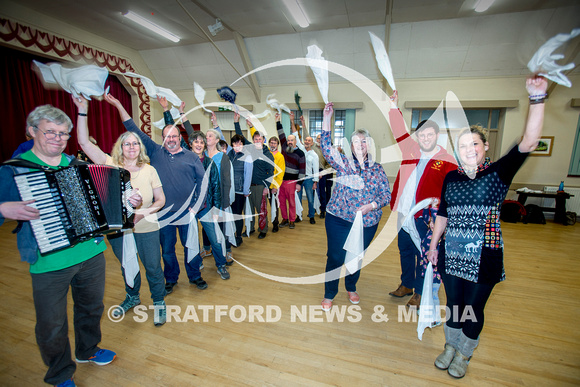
[(324, 190), (168, 239), (307, 185), (150, 255), (410, 258), (87, 283), (337, 230)]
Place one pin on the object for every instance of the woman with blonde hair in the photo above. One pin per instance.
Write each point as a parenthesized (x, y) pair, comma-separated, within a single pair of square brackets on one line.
[(130, 154)]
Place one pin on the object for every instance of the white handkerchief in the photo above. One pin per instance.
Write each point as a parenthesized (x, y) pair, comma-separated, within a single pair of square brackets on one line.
[(409, 222), (544, 61), (199, 94), (192, 242), (354, 245), (316, 203), (274, 104), (427, 313), (383, 60), (299, 208), (154, 91), (174, 114), (274, 207), (248, 216), (86, 80), (230, 226), (220, 238), (319, 67), (129, 262)]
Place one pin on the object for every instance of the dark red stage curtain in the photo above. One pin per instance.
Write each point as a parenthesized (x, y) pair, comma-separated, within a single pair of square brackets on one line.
[(21, 91)]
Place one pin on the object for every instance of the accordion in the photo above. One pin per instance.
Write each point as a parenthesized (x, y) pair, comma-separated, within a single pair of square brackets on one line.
[(76, 203)]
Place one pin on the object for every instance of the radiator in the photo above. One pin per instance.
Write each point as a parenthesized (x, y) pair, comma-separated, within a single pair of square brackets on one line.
[(572, 204)]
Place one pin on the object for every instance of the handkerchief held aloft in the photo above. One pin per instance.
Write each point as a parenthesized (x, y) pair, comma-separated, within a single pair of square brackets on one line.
[(383, 60), (319, 67), (85, 80), (199, 94), (354, 245), (153, 91), (274, 104), (174, 113), (544, 61)]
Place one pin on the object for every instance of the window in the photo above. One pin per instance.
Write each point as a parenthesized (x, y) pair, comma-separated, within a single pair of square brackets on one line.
[(341, 124), (490, 119), (575, 160)]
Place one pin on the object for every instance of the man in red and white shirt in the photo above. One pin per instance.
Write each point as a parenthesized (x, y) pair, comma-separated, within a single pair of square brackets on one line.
[(421, 174)]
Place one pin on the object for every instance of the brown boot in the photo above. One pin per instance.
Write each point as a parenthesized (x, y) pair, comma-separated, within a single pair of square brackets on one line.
[(415, 301), (401, 291)]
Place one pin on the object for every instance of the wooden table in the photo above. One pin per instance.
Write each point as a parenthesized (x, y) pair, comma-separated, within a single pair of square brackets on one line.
[(560, 197)]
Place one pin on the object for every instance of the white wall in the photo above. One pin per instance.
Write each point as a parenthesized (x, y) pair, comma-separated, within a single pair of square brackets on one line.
[(561, 120)]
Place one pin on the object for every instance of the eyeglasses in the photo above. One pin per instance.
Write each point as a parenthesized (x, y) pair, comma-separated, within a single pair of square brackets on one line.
[(131, 144), (172, 136), (423, 136), (51, 134)]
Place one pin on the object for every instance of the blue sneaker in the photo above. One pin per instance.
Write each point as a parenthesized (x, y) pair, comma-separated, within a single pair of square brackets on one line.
[(102, 357), (68, 383)]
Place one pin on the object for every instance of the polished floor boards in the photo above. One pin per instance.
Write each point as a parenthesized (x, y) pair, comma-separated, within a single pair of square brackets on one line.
[(261, 329)]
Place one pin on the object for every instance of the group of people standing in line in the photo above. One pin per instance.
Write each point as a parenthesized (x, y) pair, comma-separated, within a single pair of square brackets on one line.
[(175, 187)]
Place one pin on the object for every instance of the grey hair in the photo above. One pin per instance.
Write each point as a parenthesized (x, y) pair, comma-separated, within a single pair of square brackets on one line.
[(50, 114), (362, 131), (217, 135)]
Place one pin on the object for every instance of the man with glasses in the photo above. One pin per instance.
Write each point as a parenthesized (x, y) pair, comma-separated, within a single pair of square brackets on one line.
[(181, 174), (80, 267), (423, 168)]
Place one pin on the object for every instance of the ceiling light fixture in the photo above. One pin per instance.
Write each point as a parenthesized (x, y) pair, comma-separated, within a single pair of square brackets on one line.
[(483, 5), (150, 26), (297, 12)]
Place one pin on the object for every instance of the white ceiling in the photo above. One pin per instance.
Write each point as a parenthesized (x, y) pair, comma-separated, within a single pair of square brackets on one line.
[(427, 38)]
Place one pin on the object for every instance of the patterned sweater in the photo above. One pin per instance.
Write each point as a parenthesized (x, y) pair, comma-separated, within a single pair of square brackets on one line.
[(473, 248), (355, 186)]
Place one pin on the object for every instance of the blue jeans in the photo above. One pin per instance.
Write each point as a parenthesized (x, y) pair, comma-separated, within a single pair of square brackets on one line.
[(410, 258), (307, 187), (207, 242), (87, 283), (148, 250), (324, 190), (168, 239), (337, 230)]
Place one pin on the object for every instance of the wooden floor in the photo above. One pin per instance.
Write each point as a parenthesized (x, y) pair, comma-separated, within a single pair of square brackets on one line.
[(531, 335)]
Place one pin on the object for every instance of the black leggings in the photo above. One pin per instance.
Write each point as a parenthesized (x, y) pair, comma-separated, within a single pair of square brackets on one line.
[(460, 295)]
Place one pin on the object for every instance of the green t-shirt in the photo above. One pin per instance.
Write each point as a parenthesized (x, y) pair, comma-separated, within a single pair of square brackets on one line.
[(72, 255)]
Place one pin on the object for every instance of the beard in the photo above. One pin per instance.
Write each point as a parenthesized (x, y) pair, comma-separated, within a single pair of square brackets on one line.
[(289, 149), (427, 150)]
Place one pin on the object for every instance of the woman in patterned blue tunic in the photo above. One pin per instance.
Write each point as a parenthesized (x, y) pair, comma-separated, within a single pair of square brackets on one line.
[(361, 185), (471, 259)]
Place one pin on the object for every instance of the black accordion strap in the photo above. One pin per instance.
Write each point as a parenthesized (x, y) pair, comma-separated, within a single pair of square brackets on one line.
[(24, 164), (29, 164)]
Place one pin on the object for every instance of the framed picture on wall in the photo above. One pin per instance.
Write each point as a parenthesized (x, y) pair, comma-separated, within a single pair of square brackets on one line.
[(544, 146)]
